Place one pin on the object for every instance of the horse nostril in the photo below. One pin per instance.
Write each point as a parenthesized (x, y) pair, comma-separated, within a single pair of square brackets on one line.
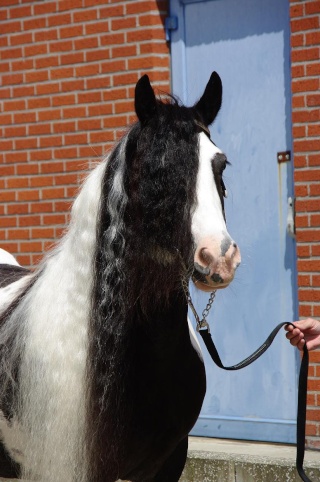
[(234, 245), (201, 269)]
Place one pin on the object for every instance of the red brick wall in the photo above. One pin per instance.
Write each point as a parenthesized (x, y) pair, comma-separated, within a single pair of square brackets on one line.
[(68, 70), (305, 58)]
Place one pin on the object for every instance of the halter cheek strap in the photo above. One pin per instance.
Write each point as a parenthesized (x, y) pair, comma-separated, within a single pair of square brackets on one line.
[(204, 128)]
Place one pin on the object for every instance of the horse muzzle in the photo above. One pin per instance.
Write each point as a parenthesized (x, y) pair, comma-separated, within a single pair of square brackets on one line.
[(215, 263)]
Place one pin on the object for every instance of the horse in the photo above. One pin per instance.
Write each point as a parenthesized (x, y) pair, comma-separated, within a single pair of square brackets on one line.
[(101, 374)]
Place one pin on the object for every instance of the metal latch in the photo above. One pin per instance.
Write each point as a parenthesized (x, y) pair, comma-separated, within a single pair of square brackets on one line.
[(291, 229)]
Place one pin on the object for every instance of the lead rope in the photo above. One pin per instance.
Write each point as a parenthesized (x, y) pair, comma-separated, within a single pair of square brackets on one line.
[(204, 330)]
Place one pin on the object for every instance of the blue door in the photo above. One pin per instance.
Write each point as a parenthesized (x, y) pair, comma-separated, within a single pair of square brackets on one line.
[(247, 43)]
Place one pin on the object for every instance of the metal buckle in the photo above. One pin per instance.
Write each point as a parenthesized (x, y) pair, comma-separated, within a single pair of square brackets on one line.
[(203, 325)]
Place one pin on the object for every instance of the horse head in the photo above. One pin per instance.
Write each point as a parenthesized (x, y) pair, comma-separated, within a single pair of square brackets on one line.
[(216, 256)]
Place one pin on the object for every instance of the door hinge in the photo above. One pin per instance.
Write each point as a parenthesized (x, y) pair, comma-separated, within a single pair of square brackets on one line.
[(284, 156), (170, 23)]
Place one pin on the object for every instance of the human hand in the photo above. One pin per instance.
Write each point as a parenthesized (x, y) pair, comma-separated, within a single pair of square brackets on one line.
[(304, 331)]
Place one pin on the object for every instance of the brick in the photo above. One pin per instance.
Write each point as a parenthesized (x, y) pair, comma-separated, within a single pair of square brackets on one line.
[(296, 10), (52, 193), (21, 39), (31, 247), (313, 69), (314, 160), (61, 100), (314, 130), (11, 27), (51, 141), (72, 58), (29, 168), (112, 39), (48, 88), (306, 145), (61, 46), (73, 113), (46, 62), (42, 207), (65, 153), (59, 19), (100, 54), (24, 91), (101, 82), (69, 4), (72, 85), (311, 115), (18, 234), (24, 65), (46, 7), (16, 156), (304, 85), (8, 222), (313, 100), (13, 53), (126, 78), (308, 265), (37, 76), (40, 181), (54, 219), (86, 43), (85, 15), (302, 55), (41, 233), (87, 70), (38, 103), (124, 23), (38, 23), (312, 38), (68, 32), (96, 27), (299, 131), (304, 280), (75, 139), (46, 35), (312, 7), (49, 114), (306, 23)]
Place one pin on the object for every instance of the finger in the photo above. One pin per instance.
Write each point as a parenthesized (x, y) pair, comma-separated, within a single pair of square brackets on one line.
[(296, 339), (288, 327), (294, 333)]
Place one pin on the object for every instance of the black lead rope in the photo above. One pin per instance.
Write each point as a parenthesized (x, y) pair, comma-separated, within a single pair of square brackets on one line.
[(302, 390)]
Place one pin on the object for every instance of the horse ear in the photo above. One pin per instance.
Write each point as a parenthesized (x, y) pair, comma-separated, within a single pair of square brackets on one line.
[(145, 102), (209, 104)]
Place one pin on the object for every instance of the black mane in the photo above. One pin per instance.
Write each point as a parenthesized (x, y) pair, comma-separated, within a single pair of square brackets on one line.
[(139, 262)]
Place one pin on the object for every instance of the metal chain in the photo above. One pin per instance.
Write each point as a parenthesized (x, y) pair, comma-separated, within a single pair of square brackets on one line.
[(200, 323)]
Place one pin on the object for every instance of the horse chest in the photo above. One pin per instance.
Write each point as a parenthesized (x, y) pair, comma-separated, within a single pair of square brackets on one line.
[(165, 388)]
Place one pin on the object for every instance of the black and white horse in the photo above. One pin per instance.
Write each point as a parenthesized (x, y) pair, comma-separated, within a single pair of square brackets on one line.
[(101, 376)]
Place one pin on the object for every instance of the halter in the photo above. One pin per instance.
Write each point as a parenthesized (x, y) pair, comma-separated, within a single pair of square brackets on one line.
[(204, 330), (204, 128)]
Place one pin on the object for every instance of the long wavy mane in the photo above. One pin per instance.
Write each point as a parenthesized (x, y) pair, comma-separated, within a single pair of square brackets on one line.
[(67, 339)]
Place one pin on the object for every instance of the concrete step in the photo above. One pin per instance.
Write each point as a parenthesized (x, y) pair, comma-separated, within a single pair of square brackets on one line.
[(218, 460)]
